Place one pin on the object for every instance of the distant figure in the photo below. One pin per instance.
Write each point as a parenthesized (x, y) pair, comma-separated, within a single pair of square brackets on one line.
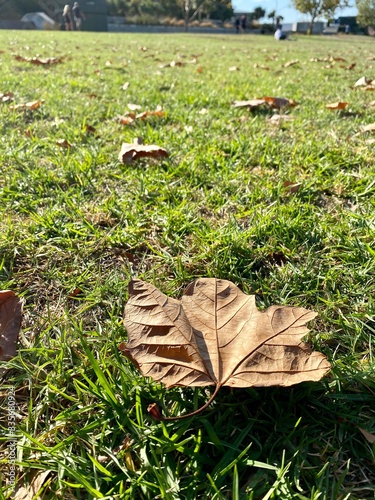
[(347, 29), (279, 35), (67, 18), (237, 24), (243, 22), (79, 16)]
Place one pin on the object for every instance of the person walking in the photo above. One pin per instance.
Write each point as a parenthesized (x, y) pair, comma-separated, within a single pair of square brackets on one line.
[(67, 18), (79, 16)]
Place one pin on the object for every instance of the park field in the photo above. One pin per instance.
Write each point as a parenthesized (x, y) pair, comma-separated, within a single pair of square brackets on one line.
[(276, 197)]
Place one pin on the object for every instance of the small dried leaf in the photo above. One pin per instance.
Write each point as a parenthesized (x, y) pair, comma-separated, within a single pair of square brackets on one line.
[(252, 103), (368, 128), (292, 187), (132, 152), (337, 105), (10, 323), (291, 63), (63, 143), (30, 491), (280, 102), (368, 435), (134, 107), (362, 82), (277, 119), (234, 68), (32, 105)]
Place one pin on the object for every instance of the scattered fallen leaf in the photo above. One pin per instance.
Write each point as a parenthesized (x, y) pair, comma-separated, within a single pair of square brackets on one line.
[(337, 59), (291, 187), (252, 103), (280, 102), (215, 335), (362, 82), (368, 128), (32, 105), (368, 435), (337, 105), (63, 143), (157, 112), (277, 119), (6, 97), (126, 120), (31, 490), (125, 86), (132, 152), (199, 69), (234, 68), (10, 323), (134, 107), (291, 63), (41, 61)]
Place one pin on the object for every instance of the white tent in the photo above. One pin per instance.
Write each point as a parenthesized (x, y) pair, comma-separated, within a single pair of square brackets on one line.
[(39, 21)]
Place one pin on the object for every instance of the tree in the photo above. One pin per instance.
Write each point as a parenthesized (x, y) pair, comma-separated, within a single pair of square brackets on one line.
[(257, 14), (366, 13), (317, 8), (272, 15)]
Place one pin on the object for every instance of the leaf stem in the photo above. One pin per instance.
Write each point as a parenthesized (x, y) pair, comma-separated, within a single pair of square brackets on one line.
[(193, 413)]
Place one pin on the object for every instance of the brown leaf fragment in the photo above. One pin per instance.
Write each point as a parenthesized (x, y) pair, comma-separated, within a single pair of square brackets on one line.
[(368, 128), (362, 82), (368, 435), (252, 103), (131, 152), (291, 63), (157, 112), (277, 119), (10, 323), (134, 107), (31, 490), (32, 105), (215, 335), (126, 120), (291, 187), (337, 105), (6, 97), (63, 143), (280, 102)]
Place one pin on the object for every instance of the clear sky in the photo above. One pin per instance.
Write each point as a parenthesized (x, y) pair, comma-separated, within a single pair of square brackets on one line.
[(284, 8)]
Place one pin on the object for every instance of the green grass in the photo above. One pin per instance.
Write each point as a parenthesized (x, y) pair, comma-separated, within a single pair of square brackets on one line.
[(217, 207)]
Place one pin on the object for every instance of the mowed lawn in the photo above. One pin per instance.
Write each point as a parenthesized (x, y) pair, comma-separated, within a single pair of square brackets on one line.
[(282, 207)]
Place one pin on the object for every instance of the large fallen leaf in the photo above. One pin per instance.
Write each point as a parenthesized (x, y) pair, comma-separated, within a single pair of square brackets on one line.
[(216, 336), (10, 323), (130, 152)]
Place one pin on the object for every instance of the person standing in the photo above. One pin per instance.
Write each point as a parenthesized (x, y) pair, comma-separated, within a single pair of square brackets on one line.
[(67, 18), (79, 16)]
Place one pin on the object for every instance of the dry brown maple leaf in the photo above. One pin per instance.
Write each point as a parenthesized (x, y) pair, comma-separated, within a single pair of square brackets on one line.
[(215, 335), (10, 323)]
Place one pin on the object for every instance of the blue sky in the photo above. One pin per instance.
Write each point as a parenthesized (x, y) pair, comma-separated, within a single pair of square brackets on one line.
[(282, 7)]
